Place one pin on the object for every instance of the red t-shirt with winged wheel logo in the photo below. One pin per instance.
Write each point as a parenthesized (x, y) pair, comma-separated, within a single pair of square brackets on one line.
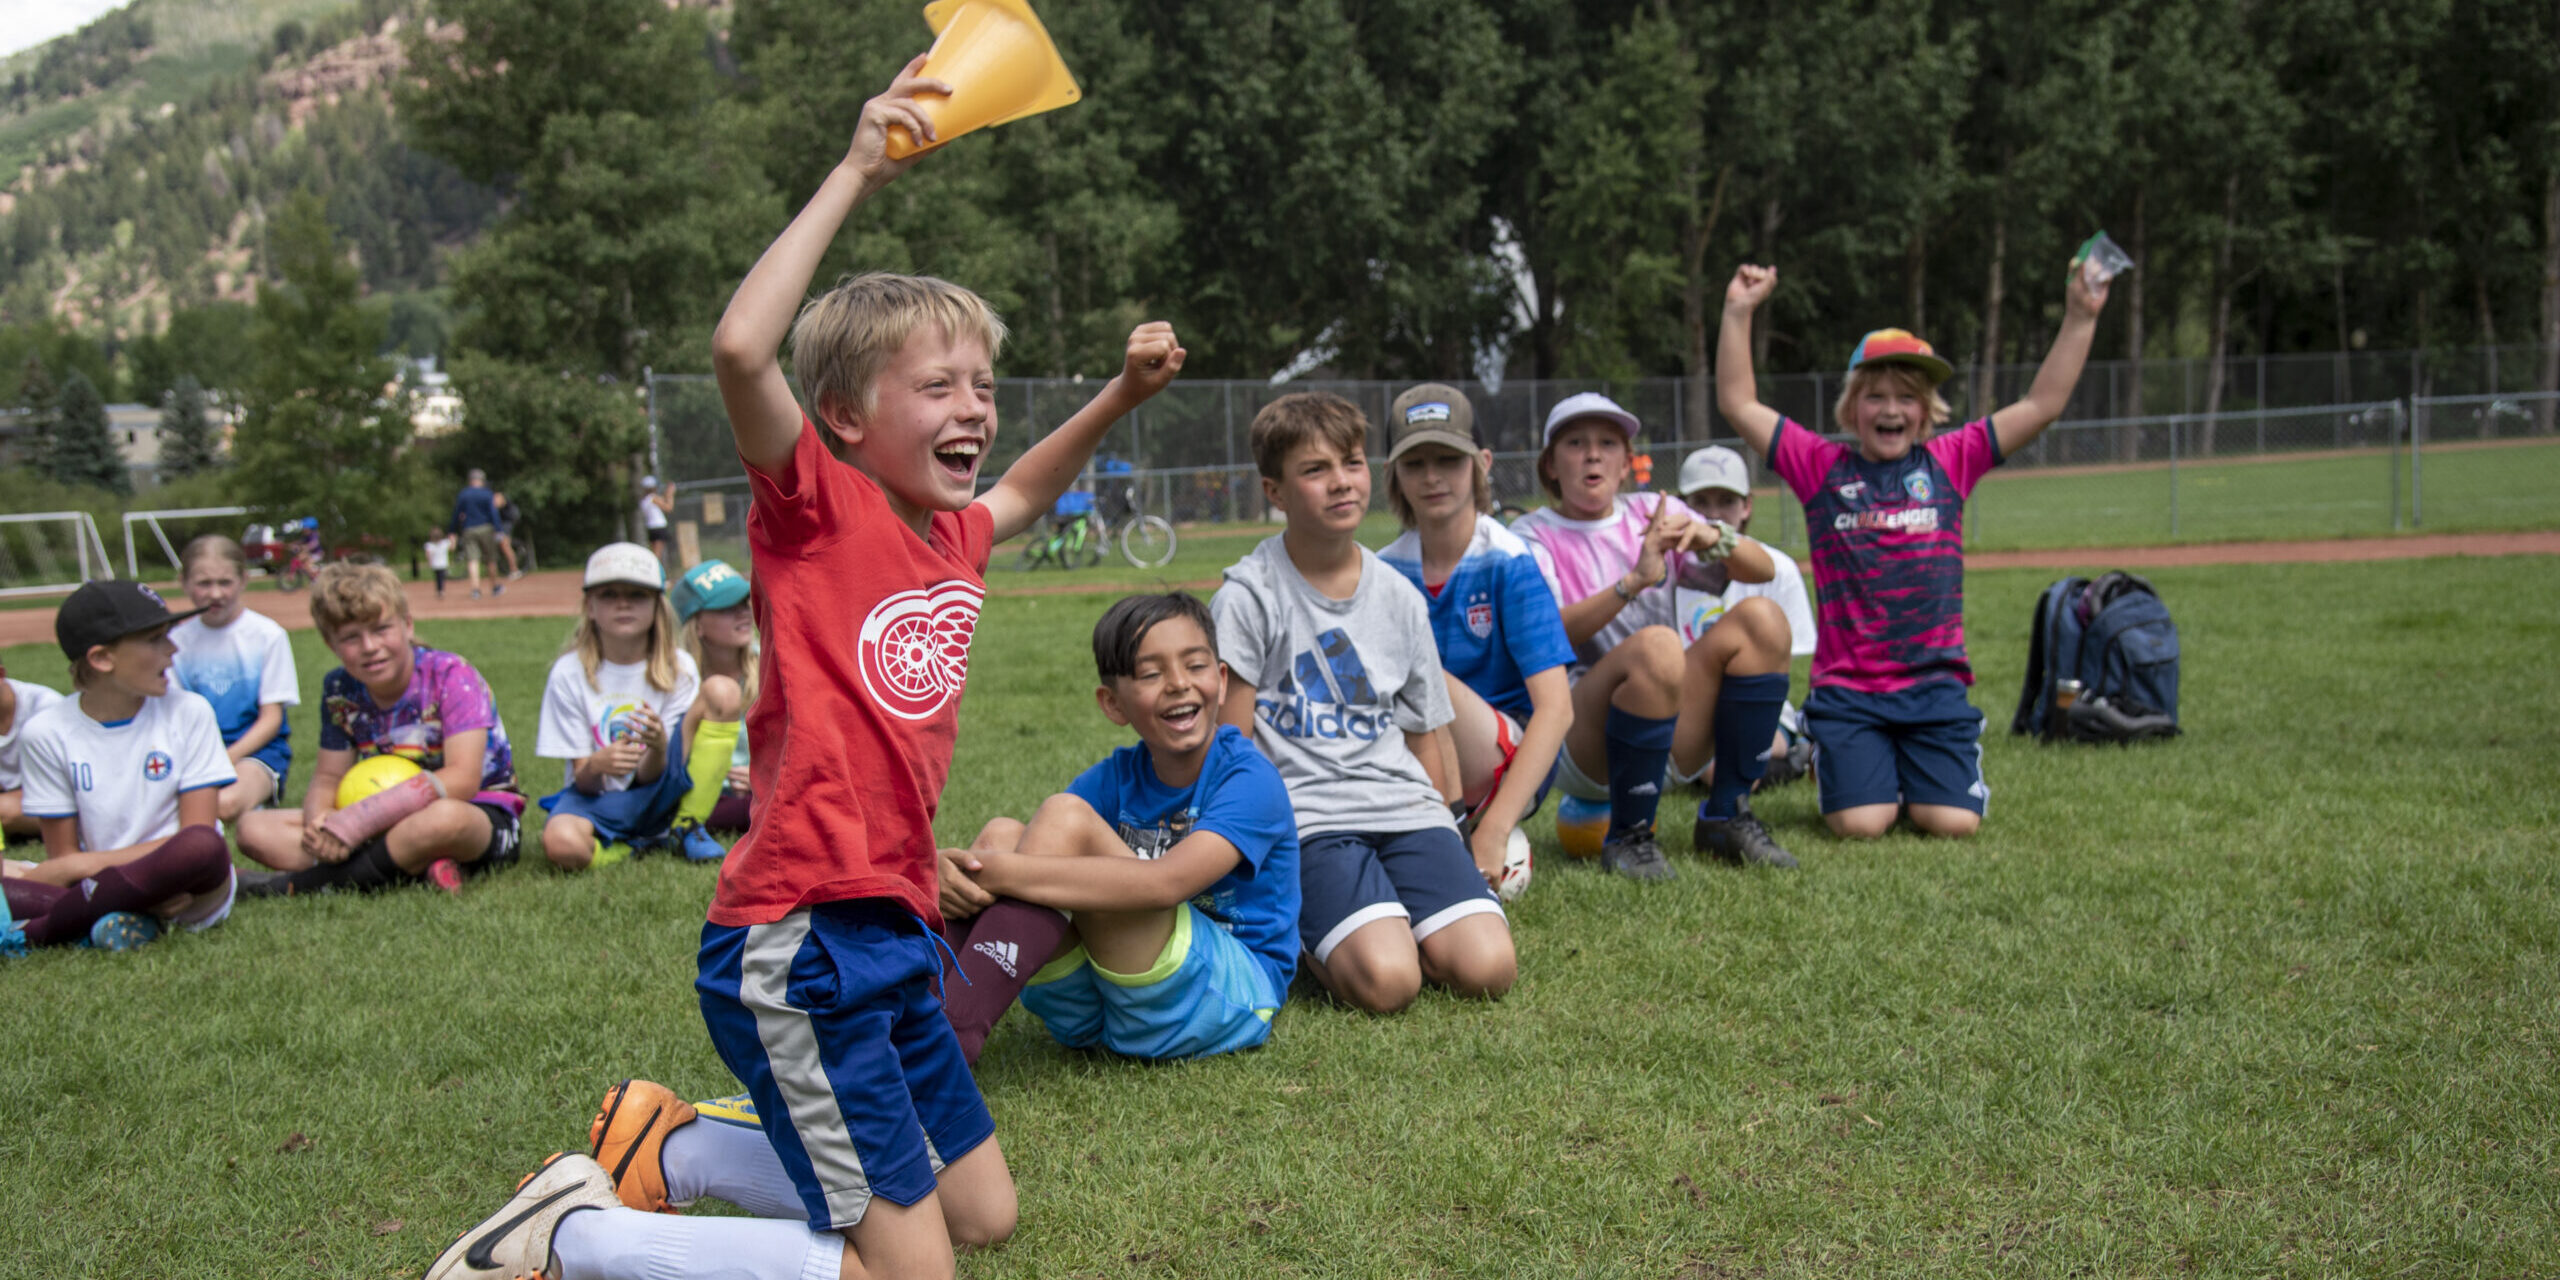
[(866, 633)]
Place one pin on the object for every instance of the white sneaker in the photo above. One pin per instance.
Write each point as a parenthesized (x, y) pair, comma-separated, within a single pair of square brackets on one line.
[(1515, 867), (515, 1242)]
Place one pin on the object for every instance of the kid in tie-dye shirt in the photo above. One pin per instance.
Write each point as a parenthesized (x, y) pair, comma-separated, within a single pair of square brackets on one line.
[(1888, 709), (393, 696)]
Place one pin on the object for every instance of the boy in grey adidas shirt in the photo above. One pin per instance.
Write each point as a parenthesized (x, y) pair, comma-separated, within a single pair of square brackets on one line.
[(1334, 674)]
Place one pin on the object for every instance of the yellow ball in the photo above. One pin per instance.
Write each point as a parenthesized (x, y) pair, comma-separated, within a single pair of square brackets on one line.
[(375, 773), (1581, 826)]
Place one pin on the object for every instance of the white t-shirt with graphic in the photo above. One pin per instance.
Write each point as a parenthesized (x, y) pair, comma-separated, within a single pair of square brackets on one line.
[(1699, 610), (237, 668), (440, 553), (32, 701), (122, 780), (580, 719)]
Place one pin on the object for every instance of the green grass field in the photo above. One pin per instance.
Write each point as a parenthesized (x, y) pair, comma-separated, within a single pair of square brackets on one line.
[(2274, 999)]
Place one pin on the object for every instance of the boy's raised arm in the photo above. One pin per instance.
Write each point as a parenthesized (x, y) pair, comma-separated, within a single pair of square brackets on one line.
[(2017, 425), (1737, 390), (746, 349), (1034, 482)]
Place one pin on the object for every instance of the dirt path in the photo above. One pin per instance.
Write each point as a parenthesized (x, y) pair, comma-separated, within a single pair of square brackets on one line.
[(555, 594)]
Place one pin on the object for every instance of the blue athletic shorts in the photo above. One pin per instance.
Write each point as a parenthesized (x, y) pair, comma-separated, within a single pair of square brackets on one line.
[(1349, 878), (277, 756), (1206, 994), (1922, 745), (829, 1016), (638, 814)]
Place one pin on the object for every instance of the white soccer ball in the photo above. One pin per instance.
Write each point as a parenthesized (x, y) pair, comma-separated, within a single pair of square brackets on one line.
[(1515, 867)]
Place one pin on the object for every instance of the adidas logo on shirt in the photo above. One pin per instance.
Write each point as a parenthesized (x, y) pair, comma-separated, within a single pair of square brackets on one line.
[(1322, 696), (1003, 953)]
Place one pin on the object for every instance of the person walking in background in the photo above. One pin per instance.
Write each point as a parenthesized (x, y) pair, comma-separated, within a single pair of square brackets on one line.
[(656, 501), (508, 514), (475, 517), (439, 547)]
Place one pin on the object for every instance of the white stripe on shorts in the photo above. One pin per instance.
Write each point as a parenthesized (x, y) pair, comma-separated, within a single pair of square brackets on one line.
[(791, 1052), (1452, 914), (1374, 911)]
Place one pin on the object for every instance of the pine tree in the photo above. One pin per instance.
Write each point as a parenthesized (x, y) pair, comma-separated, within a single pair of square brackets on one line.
[(36, 398), (187, 443), (83, 451)]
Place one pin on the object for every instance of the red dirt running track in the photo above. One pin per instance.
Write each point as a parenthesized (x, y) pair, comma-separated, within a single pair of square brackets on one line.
[(555, 594)]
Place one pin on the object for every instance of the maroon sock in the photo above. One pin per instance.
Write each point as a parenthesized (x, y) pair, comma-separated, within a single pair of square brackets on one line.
[(193, 861), (729, 813), (1006, 944), (30, 898)]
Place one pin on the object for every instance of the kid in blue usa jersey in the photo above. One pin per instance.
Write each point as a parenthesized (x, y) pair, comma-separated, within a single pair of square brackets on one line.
[(1493, 618)]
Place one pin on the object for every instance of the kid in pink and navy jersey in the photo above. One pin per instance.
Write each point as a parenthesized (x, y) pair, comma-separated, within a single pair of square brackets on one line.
[(1887, 520)]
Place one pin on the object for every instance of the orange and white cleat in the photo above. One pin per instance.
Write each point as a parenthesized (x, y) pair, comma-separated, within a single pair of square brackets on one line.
[(515, 1242), (629, 1136)]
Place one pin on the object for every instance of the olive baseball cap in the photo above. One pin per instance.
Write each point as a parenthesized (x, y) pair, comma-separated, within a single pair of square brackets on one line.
[(1433, 413)]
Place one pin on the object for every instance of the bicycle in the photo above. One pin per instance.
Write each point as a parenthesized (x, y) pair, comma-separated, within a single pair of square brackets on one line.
[(1070, 536), (1147, 541)]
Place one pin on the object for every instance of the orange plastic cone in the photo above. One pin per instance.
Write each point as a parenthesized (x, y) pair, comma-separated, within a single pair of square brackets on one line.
[(1000, 64)]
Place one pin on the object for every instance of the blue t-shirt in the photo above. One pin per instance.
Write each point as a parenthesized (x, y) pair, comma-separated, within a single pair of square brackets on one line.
[(475, 505), (1239, 796), (1494, 620)]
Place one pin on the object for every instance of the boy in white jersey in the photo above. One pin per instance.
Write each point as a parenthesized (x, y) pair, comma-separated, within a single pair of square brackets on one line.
[(122, 777), (1716, 483)]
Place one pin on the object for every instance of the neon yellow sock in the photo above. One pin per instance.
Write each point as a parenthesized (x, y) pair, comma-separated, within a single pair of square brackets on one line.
[(706, 761)]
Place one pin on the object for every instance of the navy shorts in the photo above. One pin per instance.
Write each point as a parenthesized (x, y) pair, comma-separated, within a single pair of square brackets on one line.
[(830, 1017), (1349, 878), (1921, 745)]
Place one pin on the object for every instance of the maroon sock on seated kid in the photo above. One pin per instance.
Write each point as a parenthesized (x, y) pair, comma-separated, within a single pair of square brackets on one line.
[(193, 861), (1005, 945)]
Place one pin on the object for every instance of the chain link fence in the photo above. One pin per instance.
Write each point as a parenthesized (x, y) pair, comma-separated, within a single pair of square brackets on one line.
[(2259, 469)]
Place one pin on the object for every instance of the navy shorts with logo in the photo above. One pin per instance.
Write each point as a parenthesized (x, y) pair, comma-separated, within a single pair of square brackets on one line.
[(1921, 745), (831, 1018)]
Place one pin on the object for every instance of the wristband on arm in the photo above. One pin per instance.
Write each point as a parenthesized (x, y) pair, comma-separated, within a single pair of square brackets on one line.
[(383, 810)]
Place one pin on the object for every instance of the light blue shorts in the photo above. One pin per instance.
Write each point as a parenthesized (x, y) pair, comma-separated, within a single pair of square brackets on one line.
[(1207, 994)]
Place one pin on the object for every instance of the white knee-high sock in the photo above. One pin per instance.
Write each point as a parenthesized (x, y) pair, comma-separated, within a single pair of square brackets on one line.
[(733, 1163), (626, 1244)]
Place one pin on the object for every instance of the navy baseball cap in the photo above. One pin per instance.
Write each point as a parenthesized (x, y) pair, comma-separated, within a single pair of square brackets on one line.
[(108, 610)]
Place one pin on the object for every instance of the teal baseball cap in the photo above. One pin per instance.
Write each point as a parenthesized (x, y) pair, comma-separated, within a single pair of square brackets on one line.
[(711, 584)]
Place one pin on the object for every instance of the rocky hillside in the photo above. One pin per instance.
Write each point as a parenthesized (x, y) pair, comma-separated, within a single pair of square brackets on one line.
[(127, 205)]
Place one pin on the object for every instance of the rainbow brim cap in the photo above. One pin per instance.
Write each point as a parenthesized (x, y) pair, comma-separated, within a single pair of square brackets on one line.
[(1900, 346)]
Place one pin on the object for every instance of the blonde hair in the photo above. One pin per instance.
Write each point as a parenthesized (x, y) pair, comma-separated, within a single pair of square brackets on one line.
[(845, 336), (212, 546), (1403, 506), (1302, 417), (1903, 378), (661, 662), (343, 593), (750, 662)]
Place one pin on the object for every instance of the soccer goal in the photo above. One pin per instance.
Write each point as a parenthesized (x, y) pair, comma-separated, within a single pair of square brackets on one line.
[(182, 522), (50, 553)]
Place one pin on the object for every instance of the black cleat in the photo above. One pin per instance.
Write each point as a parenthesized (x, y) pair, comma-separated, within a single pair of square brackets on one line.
[(1783, 769), (1636, 856), (1741, 840)]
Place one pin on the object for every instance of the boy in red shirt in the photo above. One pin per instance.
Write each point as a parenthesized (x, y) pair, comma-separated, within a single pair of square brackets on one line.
[(819, 965)]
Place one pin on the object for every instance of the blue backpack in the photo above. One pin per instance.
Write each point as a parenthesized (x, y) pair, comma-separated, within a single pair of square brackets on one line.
[(2102, 663)]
